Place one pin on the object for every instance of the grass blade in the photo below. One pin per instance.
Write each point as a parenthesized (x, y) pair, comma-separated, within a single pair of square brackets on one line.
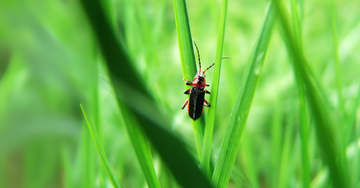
[(241, 108), (127, 85), (338, 75), (323, 125), (188, 62), (142, 150), (209, 128), (302, 103), (87, 157), (100, 150)]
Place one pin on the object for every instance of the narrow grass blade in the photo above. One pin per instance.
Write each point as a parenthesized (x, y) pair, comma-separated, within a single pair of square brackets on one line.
[(100, 150), (242, 105), (351, 133), (304, 137), (86, 158), (68, 171), (288, 150), (276, 139), (126, 81), (185, 41), (142, 149), (188, 62), (302, 103), (209, 128), (338, 76), (323, 124), (250, 161), (350, 124)]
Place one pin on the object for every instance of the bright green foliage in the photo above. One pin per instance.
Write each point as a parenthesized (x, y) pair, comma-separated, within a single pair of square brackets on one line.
[(206, 151), (284, 109), (100, 150), (242, 105), (188, 63)]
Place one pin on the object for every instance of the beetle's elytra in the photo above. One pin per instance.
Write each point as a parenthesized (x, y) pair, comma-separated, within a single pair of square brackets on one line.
[(197, 92)]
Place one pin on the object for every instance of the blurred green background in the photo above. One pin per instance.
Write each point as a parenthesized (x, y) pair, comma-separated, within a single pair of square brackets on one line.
[(50, 62)]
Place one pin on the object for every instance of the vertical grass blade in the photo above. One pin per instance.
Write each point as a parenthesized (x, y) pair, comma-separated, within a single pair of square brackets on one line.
[(350, 124), (351, 133), (188, 62), (142, 149), (276, 135), (127, 83), (338, 75), (100, 150), (302, 103), (183, 31), (87, 158), (68, 171), (323, 124), (241, 108), (209, 128)]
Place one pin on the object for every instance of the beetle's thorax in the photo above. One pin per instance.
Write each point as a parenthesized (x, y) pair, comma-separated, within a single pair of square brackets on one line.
[(199, 80)]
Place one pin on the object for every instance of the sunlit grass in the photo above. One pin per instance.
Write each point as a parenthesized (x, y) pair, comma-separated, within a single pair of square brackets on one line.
[(284, 108)]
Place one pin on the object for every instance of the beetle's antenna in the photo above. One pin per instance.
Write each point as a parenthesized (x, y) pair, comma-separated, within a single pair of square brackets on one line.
[(198, 55), (208, 68)]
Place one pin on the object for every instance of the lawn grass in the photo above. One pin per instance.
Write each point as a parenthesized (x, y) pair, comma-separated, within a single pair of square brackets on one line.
[(284, 109)]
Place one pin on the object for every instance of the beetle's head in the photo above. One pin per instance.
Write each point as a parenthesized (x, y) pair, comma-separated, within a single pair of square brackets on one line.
[(199, 80)]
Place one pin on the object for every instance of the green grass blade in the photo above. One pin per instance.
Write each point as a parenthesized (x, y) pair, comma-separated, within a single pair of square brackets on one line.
[(100, 150), (276, 135), (323, 124), (87, 158), (285, 153), (338, 76), (68, 171), (241, 108), (209, 128), (302, 103), (127, 84), (350, 124), (188, 62), (183, 31), (350, 134), (142, 150)]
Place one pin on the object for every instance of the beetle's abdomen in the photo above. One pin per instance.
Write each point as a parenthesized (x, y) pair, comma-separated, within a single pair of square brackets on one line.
[(196, 102)]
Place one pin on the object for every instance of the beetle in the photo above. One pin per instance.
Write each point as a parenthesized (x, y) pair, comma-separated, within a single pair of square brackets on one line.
[(197, 92)]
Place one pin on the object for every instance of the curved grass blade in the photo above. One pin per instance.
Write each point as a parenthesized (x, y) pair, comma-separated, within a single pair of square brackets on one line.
[(302, 102), (323, 124), (122, 73), (188, 62), (241, 108), (209, 128), (100, 150)]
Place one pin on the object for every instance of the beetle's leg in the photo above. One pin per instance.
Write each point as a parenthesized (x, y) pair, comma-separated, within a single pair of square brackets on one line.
[(207, 91), (187, 91), (207, 104), (185, 103), (207, 84), (187, 82)]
